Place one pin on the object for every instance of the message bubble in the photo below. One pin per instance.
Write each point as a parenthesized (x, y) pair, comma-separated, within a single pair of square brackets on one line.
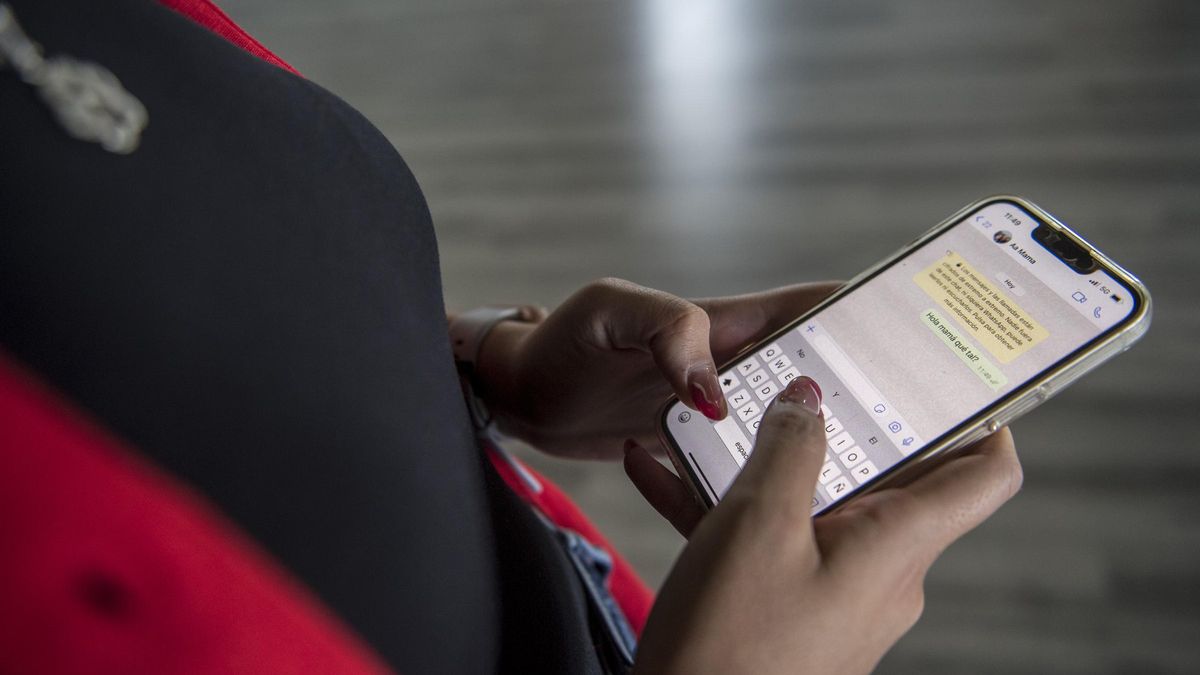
[(990, 316), (966, 351)]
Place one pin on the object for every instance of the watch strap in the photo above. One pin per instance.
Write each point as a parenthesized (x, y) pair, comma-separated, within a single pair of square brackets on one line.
[(467, 333), (469, 329)]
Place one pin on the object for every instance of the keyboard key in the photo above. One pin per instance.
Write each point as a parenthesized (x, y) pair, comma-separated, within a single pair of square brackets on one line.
[(729, 382), (748, 366), (864, 472), (758, 378), (770, 351), (852, 457), (841, 442), (789, 375), (735, 441), (829, 472), (766, 391), (752, 425), (832, 427), (838, 488), (740, 398), (748, 411), (780, 364)]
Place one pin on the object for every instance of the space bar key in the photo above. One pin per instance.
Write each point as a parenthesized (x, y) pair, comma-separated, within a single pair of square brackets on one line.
[(735, 441)]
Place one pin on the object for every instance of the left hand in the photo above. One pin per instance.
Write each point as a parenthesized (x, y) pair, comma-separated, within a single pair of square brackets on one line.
[(599, 368)]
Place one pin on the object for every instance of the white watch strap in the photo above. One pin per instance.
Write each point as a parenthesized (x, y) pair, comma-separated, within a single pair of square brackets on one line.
[(468, 330), (467, 333)]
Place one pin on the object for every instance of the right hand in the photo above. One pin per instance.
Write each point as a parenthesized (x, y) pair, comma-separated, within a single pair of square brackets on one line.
[(764, 588)]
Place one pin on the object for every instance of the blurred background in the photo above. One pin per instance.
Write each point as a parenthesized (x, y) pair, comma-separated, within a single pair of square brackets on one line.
[(712, 147)]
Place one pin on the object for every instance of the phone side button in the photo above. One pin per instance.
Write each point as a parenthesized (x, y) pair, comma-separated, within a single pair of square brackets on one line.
[(976, 434), (1028, 402)]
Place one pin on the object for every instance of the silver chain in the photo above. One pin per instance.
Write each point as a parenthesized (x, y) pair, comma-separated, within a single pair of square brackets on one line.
[(86, 99)]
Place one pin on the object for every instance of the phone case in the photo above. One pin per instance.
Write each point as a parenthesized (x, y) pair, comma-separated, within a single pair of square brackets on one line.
[(1003, 412)]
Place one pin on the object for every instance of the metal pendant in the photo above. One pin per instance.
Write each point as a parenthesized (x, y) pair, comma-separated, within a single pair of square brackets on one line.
[(86, 99)]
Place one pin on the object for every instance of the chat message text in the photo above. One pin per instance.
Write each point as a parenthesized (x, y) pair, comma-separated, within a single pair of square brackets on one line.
[(987, 314)]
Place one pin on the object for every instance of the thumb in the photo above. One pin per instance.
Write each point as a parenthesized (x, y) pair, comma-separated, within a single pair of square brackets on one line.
[(681, 350), (788, 452)]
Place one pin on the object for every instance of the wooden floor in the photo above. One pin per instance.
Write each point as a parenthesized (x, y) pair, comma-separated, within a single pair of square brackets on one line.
[(710, 147)]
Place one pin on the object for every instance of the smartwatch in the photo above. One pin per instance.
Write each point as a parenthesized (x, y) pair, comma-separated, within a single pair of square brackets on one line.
[(467, 333)]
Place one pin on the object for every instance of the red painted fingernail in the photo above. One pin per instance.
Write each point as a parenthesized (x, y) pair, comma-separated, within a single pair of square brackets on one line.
[(705, 406), (706, 392), (803, 390)]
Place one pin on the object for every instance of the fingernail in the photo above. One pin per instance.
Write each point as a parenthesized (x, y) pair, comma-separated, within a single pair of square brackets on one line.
[(803, 390), (820, 394), (706, 392), (630, 444), (705, 406)]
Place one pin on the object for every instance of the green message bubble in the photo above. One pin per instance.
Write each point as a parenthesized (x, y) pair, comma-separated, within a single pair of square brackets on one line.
[(965, 351)]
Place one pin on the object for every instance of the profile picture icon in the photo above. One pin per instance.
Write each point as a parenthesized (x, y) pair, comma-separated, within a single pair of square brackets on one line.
[(1002, 237)]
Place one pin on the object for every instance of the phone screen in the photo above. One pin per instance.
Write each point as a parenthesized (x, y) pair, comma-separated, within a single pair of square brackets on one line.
[(925, 343)]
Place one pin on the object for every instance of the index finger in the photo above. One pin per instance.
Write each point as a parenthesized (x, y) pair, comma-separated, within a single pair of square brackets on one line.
[(927, 515), (956, 497)]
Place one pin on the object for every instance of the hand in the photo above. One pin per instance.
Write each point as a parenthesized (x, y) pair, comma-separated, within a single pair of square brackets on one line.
[(764, 588), (598, 369)]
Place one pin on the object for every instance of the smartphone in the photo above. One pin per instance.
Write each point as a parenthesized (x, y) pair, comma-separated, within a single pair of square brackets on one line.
[(971, 325)]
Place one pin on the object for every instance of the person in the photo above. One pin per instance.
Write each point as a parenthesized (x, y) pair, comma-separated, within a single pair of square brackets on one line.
[(232, 434)]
